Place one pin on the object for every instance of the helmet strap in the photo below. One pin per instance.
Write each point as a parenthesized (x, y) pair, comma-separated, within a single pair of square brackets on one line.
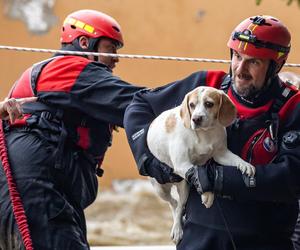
[(230, 70), (93, 44), (271, 72)]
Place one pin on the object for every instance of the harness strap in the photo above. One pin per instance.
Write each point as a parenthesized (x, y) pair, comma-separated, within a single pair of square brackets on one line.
[(226, 83), (60, 147), (15, 198)]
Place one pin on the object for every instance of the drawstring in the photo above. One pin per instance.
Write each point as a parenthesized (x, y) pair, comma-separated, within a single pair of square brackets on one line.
[(15, 198)]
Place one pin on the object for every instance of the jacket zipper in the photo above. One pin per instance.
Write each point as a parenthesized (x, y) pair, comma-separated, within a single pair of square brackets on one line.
[(254, 141)]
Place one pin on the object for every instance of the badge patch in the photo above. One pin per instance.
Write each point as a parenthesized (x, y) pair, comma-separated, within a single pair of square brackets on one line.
[(269, 145)]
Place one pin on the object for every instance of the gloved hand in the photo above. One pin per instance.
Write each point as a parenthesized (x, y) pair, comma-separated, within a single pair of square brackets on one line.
[(208, 177), (151, 166)]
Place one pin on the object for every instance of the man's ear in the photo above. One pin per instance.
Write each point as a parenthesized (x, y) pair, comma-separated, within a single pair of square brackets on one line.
[(83, 42)]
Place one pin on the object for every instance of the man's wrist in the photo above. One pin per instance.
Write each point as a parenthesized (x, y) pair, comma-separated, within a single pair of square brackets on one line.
[(198, 176)]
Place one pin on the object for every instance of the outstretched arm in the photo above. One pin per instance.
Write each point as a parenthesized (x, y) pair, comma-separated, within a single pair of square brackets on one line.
[(138, 117)]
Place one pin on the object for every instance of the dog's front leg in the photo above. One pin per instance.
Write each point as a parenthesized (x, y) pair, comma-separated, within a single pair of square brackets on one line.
[(227, 158)]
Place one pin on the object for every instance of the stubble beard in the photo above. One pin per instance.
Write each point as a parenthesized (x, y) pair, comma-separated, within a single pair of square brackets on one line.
[(246, 91)]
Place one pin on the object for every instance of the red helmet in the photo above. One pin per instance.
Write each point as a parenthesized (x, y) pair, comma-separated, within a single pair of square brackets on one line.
[(90, 23), (262, 37)]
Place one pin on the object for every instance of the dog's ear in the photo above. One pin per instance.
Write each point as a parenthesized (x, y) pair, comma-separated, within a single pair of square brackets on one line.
[(227, 110), (185, 112)]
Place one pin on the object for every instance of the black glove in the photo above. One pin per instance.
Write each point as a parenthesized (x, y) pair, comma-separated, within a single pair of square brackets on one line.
[(151, 166), (208, 177)]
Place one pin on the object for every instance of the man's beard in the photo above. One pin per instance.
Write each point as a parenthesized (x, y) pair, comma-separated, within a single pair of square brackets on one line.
[(247, 92)]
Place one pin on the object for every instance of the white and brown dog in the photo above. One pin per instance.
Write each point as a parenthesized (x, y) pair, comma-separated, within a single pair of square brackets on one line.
[(189, 135)]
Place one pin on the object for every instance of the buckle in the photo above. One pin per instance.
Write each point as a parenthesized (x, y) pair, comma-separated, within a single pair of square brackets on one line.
[(47, 115)]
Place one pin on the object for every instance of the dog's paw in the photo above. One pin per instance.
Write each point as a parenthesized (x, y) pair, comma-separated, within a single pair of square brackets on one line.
[(207, 199), (176, 234), (247, 168)]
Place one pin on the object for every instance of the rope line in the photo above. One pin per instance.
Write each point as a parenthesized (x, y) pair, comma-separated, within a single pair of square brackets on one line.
[(171, 58)]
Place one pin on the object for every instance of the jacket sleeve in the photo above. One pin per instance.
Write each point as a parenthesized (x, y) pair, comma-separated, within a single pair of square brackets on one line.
[(138, 117), (277, 181), (95, 92)]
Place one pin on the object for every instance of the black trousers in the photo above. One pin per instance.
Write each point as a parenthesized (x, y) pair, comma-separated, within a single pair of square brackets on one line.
[(54, 222)]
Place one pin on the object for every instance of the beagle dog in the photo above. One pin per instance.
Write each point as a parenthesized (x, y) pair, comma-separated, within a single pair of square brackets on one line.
[(189, 135)]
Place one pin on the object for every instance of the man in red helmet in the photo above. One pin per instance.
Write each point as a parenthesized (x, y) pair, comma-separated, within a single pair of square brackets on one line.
[(256, 213), (56, 149)]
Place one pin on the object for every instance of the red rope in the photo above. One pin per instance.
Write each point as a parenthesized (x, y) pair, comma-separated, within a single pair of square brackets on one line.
[(15, 198)]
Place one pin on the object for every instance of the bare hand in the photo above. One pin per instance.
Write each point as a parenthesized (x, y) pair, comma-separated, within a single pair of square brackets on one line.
[(11, 109)]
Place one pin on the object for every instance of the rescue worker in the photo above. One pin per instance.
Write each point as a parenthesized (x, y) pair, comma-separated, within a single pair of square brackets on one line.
[(57, 148), (248, 213)]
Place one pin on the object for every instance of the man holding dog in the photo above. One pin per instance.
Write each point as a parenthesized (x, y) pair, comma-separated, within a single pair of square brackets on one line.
[(56, 149), (260, 212)]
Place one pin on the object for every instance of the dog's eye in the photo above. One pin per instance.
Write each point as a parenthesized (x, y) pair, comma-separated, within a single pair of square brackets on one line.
[(192, 105), (208, 104)]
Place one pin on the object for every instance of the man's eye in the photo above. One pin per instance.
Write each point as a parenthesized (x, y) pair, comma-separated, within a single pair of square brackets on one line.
[(208, 104), (255, 62), (236, 55)]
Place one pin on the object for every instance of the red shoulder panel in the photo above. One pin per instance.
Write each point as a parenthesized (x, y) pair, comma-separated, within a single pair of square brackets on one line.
[(22, 87), (60, 74), (289, 107), (214, 78)]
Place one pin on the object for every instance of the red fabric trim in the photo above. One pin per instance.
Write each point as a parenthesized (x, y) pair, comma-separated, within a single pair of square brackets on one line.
[(84, 137), (260, 154), (214, 78), (289, 107), (22, 87), (60, 74), (247, 145), (21, 122), (246, 112)]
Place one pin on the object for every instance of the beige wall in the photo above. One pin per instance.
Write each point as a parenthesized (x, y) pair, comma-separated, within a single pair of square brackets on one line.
[(188, 28)]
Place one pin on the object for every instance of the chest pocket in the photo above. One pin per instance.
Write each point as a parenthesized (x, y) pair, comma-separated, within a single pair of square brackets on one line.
[(261, 148)]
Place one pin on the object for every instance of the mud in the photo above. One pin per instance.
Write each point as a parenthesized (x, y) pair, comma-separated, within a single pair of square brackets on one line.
[(129, 214)]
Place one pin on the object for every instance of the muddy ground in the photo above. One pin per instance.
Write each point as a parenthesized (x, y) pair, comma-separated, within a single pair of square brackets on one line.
[(129, 214)]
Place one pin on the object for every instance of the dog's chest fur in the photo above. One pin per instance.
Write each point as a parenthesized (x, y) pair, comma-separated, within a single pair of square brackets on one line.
[(170, 132), (201, 147)]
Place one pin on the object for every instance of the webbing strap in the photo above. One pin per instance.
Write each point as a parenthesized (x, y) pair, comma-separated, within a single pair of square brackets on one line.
[(15, 198)]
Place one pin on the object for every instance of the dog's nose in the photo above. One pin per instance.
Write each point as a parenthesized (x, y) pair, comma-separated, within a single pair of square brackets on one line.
[(197, 120)]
